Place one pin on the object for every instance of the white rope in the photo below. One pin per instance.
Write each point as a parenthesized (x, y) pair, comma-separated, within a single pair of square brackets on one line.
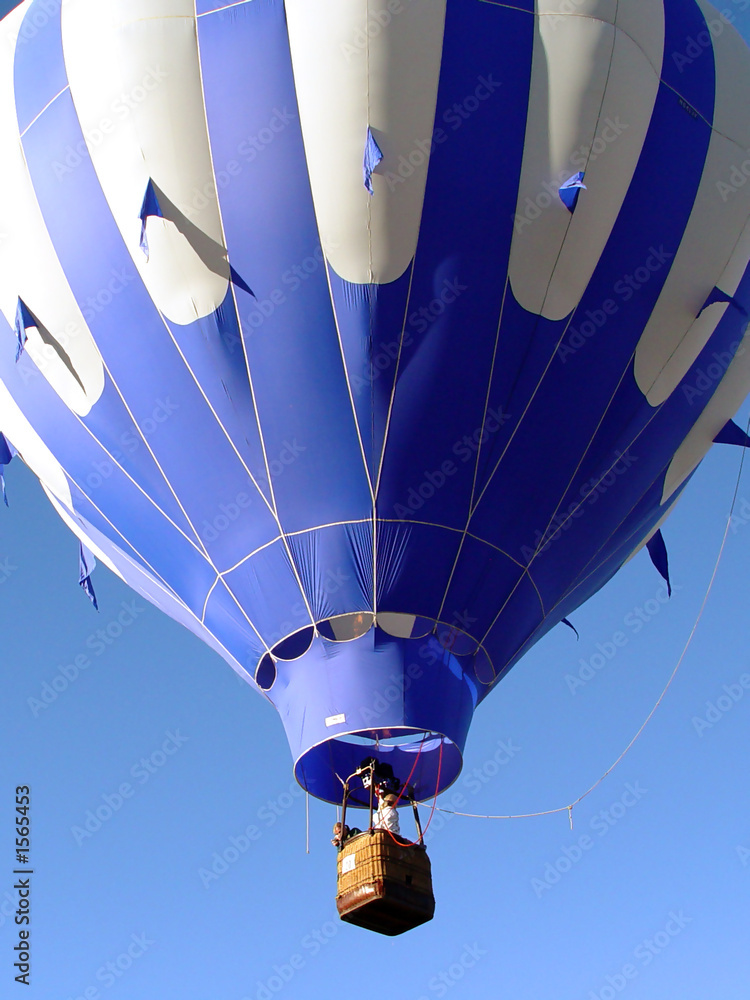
[(569, 807)]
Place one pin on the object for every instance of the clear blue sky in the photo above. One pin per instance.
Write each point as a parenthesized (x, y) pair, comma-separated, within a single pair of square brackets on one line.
[(647, 897)]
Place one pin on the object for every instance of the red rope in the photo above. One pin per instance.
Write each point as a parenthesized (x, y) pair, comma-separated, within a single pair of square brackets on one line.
[(413, 769), (414, 843)]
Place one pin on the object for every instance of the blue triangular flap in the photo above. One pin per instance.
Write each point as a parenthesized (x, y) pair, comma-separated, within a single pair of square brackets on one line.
[(150, 207), (658, 552), (730, 433), (240, 282), (716, 295), (6, 451), (570, 624), (373, 156), (24, 321), (86, 566), (6, 456), (571, 189)]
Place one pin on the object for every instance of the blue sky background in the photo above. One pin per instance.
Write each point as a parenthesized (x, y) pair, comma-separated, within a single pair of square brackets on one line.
[(650, 901)]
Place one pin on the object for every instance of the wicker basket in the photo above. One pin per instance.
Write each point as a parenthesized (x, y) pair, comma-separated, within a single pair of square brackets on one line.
[(384, 884)]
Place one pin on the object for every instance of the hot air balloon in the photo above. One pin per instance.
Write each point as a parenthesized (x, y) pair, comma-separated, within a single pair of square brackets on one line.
[(368, 344)]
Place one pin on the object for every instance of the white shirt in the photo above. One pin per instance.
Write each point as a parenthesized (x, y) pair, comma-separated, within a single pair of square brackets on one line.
[(386, 818)]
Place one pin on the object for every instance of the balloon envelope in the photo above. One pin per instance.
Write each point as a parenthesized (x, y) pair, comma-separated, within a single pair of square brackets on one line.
[(369, 345)]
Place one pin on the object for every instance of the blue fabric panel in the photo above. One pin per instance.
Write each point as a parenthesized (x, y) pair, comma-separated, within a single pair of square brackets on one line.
[(659, 439), (150, 589), (226, 620), (335, 565), (654, 215), (116, 439), (90, 467), (39, 65), (209, 6), (473, 597), (276, 611), (77, 217), (688, 66), (512, 628), (213, 349), (462, 256), (413, 565), (174, 560), (373, 326), (296, 364)]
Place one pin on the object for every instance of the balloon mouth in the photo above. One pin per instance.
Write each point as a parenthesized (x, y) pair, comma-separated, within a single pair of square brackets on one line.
[(427, 762), (406, 702)]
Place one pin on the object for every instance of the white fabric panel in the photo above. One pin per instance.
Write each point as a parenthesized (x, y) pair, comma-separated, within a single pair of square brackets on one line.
[(345, 83), (32, 449), (643, 21), (729, 394), (575, 124), (722, 406), (29, 267), (708, 254), (134, 73)]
